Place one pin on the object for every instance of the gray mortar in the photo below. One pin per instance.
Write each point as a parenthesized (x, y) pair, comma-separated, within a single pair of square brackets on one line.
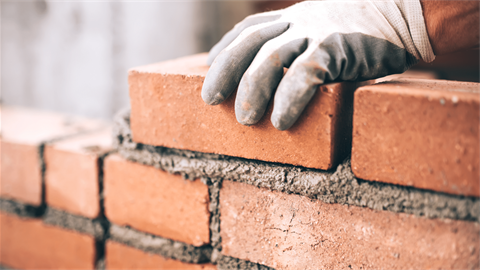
[(100, 265), (214, 191), (101, 219), (20, 209), (223, 262), (158, 245), (73, 222), (336, 186), (227, 263)]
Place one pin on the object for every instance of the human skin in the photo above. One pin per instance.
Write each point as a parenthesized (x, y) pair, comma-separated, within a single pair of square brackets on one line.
[(452, 25)]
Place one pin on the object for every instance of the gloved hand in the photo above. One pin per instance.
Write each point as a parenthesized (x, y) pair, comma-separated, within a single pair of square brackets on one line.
[(320, 42)]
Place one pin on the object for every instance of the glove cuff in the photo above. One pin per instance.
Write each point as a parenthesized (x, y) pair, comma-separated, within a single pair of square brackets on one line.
[(406, 17)]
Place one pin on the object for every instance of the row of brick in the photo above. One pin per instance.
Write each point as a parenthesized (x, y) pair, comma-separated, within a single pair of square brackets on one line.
[(412, 132), (72, 180), (29, 243), (56, 161), (280, 227), (276, 229), (273, 228)]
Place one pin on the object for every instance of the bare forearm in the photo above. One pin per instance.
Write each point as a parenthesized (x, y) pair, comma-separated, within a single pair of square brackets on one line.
[(452, 25)]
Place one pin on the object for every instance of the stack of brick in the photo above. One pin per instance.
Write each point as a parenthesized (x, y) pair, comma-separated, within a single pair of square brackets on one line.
[(373, 176), (52, 201), (50, 207)]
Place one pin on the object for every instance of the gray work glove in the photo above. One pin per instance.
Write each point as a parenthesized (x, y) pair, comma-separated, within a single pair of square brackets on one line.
[(320, 42)]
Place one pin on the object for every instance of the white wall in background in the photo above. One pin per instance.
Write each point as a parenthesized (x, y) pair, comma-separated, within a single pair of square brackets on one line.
[(73, 56)]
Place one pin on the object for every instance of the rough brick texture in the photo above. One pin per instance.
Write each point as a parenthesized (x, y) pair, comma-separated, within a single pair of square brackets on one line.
[(72, 172), (421, 133), (153, 201), (167, 110), (294, 232), (30, 244), (119, 256), (23, 132)]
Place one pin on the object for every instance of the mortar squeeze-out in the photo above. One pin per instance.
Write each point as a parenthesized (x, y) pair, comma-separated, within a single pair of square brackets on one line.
[(336, 186)]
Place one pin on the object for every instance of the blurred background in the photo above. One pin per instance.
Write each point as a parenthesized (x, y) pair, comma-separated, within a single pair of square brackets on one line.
[(73, 56)]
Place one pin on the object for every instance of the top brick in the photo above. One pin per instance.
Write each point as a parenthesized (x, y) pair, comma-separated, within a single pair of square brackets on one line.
[(167, 110), (421, 133)]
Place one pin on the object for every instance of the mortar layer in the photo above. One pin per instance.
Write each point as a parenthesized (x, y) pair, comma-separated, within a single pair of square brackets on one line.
[(335, 186), (164, 247), (73, 222), (20, 209), (100, 265)]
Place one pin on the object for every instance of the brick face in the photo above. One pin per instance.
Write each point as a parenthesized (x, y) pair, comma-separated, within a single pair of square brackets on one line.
[(167, 110), (119, 256), (294, 232), (23, 132), (421, 133), (21, 177), (71, 177), (30, 244), (153, 201)]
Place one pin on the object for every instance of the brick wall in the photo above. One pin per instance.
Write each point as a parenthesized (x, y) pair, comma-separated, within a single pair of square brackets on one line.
[(175, 184)]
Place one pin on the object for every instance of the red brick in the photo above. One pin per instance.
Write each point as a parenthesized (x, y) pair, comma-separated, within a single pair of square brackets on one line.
[(167, 110), (421, 133), (30, 244), (119, 256), (23, 131), (153, 201), (21, 177), (288, 231), (71, 176)]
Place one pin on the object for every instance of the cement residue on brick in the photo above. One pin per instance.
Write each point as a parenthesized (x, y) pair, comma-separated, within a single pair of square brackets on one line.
[(158, 245), (230, 263), (20, 209), (339, 186), (73, 222)]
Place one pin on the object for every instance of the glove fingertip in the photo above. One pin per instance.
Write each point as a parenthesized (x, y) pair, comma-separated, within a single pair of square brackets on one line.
[(279, 122), (210, 99), (245, 118)]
